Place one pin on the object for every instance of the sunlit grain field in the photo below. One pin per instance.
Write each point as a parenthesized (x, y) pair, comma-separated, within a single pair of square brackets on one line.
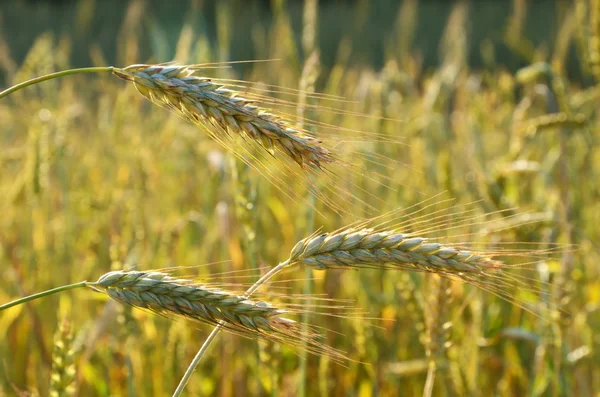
[(95, 178)]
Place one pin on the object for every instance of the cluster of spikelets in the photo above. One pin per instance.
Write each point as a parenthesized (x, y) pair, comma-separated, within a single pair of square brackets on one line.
[(164, 294), (169, 296), (202, 100), (267, 139), (369, 248)]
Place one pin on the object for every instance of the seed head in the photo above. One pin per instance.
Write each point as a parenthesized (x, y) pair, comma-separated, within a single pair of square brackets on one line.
[(224, 112)]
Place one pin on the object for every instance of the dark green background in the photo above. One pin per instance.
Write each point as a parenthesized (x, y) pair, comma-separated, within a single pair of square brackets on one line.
[(22, 21)]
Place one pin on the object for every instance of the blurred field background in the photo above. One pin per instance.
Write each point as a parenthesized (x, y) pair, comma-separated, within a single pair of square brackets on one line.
[(94, 178)]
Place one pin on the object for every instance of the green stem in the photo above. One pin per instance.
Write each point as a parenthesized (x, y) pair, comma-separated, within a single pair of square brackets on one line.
[(51, 76), (42, 294), (308, 290), (215, 332), (307, 82)]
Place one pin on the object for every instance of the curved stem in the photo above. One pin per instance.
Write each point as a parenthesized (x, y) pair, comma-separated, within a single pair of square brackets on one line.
[(51, 76), (269, 275), (42, 294), (188, 373), (431, 370), (190, 370)]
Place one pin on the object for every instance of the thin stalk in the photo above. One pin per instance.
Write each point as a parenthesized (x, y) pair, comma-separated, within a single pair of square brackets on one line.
[(42, 294), (438, 310), (310, 73), (561, 382), (308, 290), (245, 201), (429, 381), (190, 370), (99, 69)]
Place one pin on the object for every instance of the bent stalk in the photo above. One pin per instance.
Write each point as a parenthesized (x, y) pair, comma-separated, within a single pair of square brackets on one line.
[(42, 294), (188, 373), (99, 69)]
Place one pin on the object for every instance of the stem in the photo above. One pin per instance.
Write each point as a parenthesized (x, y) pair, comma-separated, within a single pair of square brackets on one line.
[(438, 308), (269, 275), (310, 73), (192, 367), (42, 294), (190, 370), (428, 389), (308, 290), (51, 76)]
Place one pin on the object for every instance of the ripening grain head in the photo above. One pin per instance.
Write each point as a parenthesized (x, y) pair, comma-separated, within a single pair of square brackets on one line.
[(384, 243), (164, 294), (170, 296), (202, 100), (257, 131), (371, 248)]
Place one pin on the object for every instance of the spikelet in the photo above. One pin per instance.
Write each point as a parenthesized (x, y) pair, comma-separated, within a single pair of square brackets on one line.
[(202, 100), (170, 297), (63, 367)]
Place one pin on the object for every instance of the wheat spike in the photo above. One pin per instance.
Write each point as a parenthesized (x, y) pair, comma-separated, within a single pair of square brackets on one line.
[(353, 247), (360, 246), (170, 296), (164, 294), (202, 100)]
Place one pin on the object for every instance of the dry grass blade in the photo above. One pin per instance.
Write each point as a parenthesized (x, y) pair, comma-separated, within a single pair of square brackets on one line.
[(201, 99), (170, 297)]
